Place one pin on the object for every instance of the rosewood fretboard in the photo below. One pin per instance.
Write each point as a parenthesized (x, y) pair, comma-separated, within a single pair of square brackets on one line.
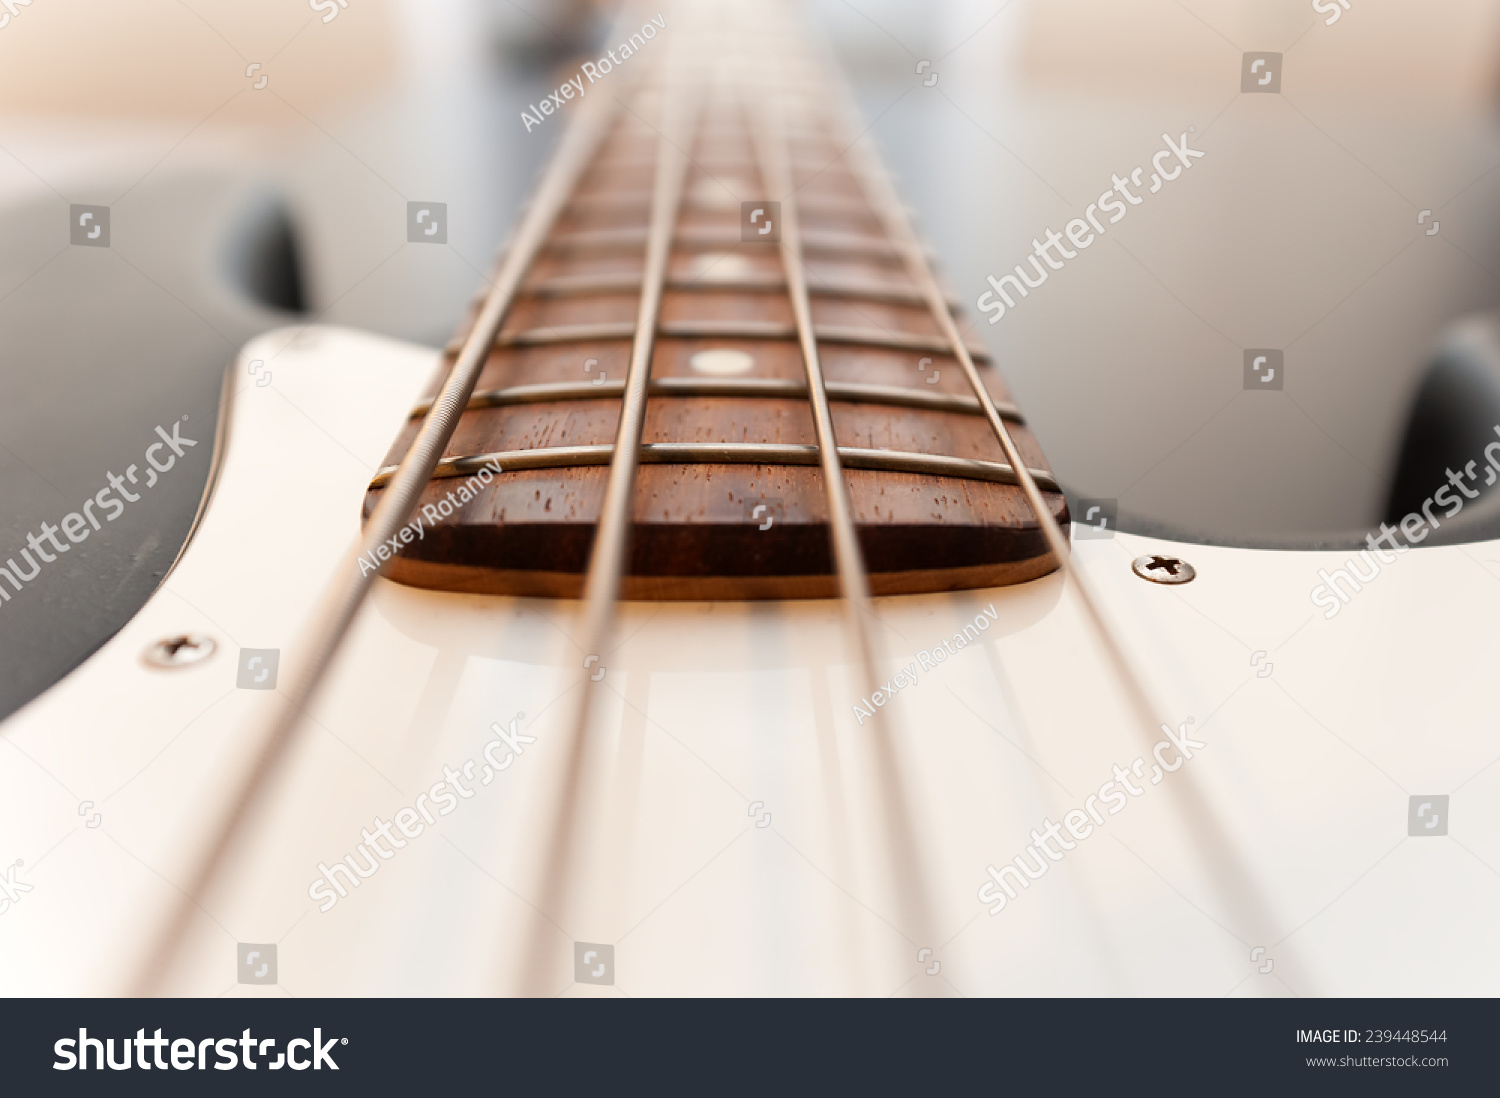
[(729, 500)]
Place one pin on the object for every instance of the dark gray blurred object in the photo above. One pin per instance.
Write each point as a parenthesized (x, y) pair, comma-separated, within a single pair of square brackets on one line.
[(1455, 415), (98, 347)]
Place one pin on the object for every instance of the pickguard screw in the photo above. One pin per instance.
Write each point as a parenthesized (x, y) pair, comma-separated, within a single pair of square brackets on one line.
[(182, 650), (1163, 569)]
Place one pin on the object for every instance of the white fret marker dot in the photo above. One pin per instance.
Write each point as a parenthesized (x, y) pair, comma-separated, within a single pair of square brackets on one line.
[(722, 362), (719, 194), (720, 266)]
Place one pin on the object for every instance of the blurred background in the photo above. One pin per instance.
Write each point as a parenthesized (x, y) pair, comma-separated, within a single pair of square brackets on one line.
[(257, 156)]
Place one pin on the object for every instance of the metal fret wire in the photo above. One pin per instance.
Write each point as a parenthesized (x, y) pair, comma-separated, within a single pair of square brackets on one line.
[(875, 338), (1231, 875), (346, 592), (849, 392), (577, 286), (612, 531), (830, 243), (773, 156), (733, 453)]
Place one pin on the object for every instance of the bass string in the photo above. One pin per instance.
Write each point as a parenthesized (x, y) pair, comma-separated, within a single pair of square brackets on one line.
[(1226, 867), (893, 800), (679, 123), (345, 594)]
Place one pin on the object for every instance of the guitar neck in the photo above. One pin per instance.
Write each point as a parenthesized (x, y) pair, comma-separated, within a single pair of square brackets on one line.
[(795, 363)]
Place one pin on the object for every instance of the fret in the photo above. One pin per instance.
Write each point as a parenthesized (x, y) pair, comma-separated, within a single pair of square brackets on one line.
[(843, 363), (718, 153), (900, 341), (762, 388), (731, 453), (824, 243), (631, 202), (726, 329), (583, 285)]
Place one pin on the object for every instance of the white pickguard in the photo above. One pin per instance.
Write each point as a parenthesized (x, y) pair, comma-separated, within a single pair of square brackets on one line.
[(719, 715)]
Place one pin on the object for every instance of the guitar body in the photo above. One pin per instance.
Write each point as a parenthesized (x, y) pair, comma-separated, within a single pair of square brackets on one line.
[(733, 805), (703, 621)]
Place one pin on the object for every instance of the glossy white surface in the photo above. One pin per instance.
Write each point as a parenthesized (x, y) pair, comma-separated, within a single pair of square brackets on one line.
[(717, 715)]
